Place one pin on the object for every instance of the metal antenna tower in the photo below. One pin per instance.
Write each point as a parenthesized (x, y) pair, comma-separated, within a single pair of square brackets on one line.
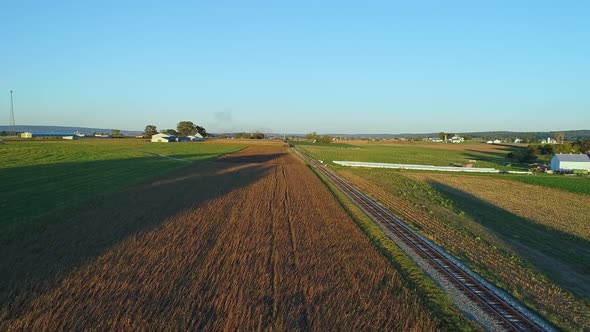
[(12, 122)]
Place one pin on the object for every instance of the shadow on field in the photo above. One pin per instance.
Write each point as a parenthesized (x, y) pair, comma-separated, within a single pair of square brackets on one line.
[(494, 157), (31, 191), (562, 255), (35, 256), (254, 158)]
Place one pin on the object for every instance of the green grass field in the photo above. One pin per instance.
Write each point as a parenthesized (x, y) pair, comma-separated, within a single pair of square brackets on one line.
[(428, 154), (422, 154), (575, 184), (40, 177)]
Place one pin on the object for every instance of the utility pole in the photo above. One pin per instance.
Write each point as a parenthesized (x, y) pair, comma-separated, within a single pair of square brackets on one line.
[(12, 121)]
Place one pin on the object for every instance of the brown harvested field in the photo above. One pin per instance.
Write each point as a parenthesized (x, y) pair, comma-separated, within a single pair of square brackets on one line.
[(491, 240), (252, 241)]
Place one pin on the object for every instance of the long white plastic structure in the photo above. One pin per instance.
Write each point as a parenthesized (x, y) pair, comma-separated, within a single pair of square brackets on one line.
[(416, 167)]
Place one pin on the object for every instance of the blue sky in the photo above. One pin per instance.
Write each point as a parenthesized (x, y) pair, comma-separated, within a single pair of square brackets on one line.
[(298, 66)]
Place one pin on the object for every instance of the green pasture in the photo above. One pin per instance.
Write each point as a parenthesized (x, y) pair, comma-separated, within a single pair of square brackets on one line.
[(38, 177), (426, 155), (576, 184), (411, 154)]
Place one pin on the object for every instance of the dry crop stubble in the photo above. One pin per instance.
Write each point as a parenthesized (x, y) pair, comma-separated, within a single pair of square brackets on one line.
[(253, 241)]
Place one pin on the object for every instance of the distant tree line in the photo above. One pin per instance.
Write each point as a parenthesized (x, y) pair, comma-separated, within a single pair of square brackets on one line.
[(531, 152), (319, 138)]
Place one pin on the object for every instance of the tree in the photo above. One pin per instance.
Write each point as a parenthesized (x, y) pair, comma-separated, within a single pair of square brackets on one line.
[(116, 133), (257, 135), (202, 131), (186, 128), (326, 139), (150, 130), (584, 146), (560, 137), (311, 136), (170, 132), (442, 135), (523, 155), (546, 149)]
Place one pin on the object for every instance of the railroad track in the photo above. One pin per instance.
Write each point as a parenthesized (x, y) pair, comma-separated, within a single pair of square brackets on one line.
[(506, 313)]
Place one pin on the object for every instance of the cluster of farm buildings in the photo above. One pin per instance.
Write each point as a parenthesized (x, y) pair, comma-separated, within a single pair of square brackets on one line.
[(559, 162), (157, 138), (459, 139)]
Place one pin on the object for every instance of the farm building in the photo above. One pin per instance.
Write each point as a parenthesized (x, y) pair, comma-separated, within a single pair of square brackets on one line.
[(26, 135), (569, 162), (70, 138), (195, 137), (457, 139), (163, 138)]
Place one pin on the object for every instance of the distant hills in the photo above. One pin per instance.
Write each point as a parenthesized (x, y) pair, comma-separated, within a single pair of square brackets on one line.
[(570, 135), (485, 135), (65, 130)]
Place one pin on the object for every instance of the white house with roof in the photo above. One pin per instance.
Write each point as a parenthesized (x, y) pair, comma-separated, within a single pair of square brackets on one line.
[(163, 138), (457, 139), (562, 162)]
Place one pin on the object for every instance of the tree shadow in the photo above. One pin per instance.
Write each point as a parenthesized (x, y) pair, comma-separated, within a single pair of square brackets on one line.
[(253, 158), (564, 256), (35, 254), (499, 158)]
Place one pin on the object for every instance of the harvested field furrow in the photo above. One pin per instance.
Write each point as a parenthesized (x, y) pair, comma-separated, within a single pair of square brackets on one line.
[(253, 241)]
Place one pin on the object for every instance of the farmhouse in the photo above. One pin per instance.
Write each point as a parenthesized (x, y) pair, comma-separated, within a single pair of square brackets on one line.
[(570, 162), (163, 138), (457, 139), (26, 135)]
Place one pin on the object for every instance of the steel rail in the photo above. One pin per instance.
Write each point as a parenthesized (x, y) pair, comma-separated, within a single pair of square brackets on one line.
[(507, 315)]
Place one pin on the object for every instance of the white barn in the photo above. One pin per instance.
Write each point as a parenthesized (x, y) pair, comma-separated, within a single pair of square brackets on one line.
[(163, 138), (196, 137), (561, 162)]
